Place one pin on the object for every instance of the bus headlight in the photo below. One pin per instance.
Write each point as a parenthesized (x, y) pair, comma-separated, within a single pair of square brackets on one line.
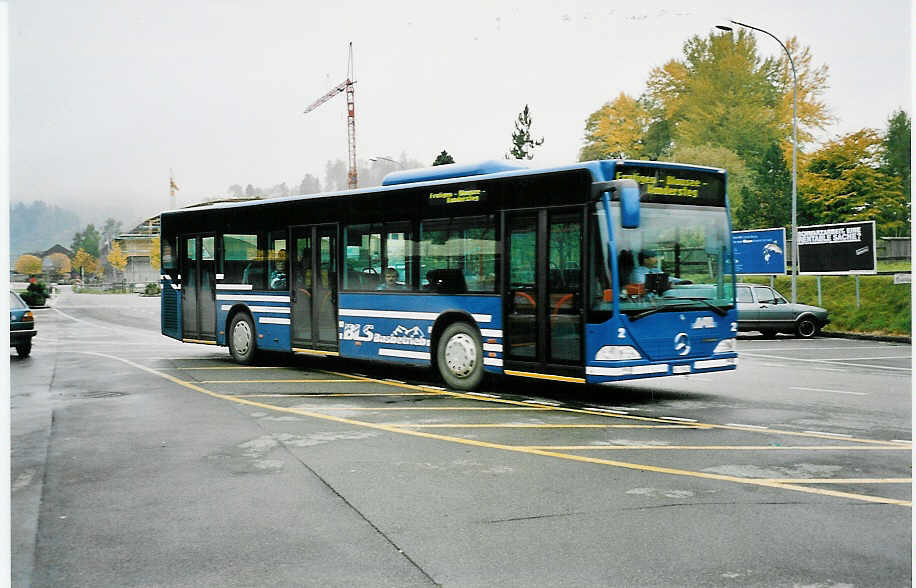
[(726, 346), (617, 353)]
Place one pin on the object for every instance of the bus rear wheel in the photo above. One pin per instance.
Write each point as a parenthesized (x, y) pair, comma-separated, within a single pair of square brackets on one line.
[(242, 344), (459, 357)]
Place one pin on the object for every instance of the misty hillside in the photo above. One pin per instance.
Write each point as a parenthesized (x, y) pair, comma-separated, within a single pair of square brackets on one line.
[(37, 226)]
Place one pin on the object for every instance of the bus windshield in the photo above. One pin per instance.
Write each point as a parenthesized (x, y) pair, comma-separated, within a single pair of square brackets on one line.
[(678, 258)]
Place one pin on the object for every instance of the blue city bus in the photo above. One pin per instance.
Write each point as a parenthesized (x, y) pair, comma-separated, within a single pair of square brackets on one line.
[(595, 272)]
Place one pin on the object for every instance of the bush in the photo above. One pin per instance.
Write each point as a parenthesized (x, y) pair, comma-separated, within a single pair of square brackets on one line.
[(151, 289), (36, 294)]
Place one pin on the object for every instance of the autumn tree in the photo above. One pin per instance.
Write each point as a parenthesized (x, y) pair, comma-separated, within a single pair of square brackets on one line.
[(28, 264), (83, 262), (155, 253), (117, 258), (617, 130), (60, 263), (522, 143), (844, 181), (720, 93)]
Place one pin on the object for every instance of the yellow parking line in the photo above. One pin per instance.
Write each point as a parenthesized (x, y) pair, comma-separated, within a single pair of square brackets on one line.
[(302, 381), (838, 480), (229, 367), (475, 443), (337, 395), (540, 426), (721, 447), (434, 408), (767, 431)]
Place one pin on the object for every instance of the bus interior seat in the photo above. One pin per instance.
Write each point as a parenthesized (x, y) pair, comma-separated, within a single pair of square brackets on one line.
[(446, 280), (253, 274), (557, 281), (573, 279), (625, 265)]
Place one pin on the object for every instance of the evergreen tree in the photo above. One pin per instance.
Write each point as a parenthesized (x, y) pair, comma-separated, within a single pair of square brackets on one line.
[(444, 158), (895, 159), (522, 143), (768, 202)]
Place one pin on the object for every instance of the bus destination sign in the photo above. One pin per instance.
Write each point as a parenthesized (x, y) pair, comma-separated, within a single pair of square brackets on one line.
[(659, 184), (457, 197)]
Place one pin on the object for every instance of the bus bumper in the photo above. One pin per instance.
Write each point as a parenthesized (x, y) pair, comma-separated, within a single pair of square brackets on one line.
[(607, 373)]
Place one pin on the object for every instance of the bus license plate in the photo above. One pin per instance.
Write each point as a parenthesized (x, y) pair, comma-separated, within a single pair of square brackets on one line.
[(680, 369)]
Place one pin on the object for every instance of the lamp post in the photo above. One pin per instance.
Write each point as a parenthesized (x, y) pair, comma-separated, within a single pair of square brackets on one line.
[(794, 151), (378, 157)]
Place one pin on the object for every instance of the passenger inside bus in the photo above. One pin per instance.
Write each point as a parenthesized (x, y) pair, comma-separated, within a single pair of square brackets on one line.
[(278, 273), (391, 280)]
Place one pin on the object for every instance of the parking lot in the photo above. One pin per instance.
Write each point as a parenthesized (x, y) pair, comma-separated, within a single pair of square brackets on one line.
[(796, 468)]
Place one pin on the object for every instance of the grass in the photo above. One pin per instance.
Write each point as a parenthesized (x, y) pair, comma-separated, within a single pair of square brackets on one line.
[(886, 308)]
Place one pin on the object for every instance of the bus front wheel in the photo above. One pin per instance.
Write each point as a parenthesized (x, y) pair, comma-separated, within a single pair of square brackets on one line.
[(459, 356), (242, 344)]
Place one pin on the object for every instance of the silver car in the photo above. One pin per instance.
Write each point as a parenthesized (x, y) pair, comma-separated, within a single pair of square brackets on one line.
[(761, 308)]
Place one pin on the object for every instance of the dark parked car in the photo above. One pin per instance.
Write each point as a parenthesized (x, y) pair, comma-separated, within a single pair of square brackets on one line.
[(761, 308), (22, 325)]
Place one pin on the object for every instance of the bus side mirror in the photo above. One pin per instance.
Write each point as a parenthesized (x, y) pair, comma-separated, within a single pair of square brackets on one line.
[(628, 192)]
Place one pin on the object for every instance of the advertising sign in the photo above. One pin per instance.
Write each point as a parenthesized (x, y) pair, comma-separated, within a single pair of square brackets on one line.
[(760, 252), (845, 248)]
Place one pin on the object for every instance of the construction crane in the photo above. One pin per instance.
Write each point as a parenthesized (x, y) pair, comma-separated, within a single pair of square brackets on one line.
[(346, 85)]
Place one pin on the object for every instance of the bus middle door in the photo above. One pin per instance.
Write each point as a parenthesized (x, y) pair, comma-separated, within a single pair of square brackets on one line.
[(198, 302), (543, 296), (314, 289)]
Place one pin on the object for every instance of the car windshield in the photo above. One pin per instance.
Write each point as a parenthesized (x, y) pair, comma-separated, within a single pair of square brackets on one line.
[(679, 257), (16, 302)]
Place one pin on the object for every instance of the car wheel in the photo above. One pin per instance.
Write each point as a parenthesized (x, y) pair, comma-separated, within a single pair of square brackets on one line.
[(768, 333), (459, 357), (806, 327), (242, 343), (24, 349)]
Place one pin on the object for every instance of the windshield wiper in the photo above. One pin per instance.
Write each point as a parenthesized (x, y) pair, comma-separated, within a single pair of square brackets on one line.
[(717, 309)]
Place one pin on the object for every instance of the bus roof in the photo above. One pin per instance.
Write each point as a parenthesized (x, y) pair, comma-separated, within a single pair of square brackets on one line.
[(444, 174)]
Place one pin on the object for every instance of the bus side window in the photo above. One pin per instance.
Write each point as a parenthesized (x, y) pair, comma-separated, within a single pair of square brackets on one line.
[(242, 262)]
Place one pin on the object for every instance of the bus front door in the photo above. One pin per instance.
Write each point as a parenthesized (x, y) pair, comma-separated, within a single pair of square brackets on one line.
[(198, 303), (314, 289), (543, 296)]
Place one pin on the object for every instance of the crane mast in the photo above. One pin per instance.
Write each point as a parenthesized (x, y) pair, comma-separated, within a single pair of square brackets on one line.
[(345, 86)]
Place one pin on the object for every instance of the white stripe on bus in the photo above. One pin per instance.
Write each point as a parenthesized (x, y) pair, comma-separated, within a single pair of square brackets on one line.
[(273, 320), (252, 298), (403, 353), (234, 287), (399, 314)]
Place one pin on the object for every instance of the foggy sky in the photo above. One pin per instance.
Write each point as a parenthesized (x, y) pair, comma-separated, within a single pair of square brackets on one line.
[(107, 96)]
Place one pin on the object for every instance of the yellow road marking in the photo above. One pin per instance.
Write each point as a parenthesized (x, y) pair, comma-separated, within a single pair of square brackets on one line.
[(625, 416), (540, 426), (721, 447), (839, 480), (229, 367), (545, 376), (476, 443), (337, 395), (433, 408), (302, 381)]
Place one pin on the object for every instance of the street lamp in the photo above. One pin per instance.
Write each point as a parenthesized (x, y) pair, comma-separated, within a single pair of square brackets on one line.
[(376, 158), (794, 152)]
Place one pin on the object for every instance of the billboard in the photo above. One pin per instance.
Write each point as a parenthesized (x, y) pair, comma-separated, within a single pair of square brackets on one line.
[(760, 252), (843, 248)]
